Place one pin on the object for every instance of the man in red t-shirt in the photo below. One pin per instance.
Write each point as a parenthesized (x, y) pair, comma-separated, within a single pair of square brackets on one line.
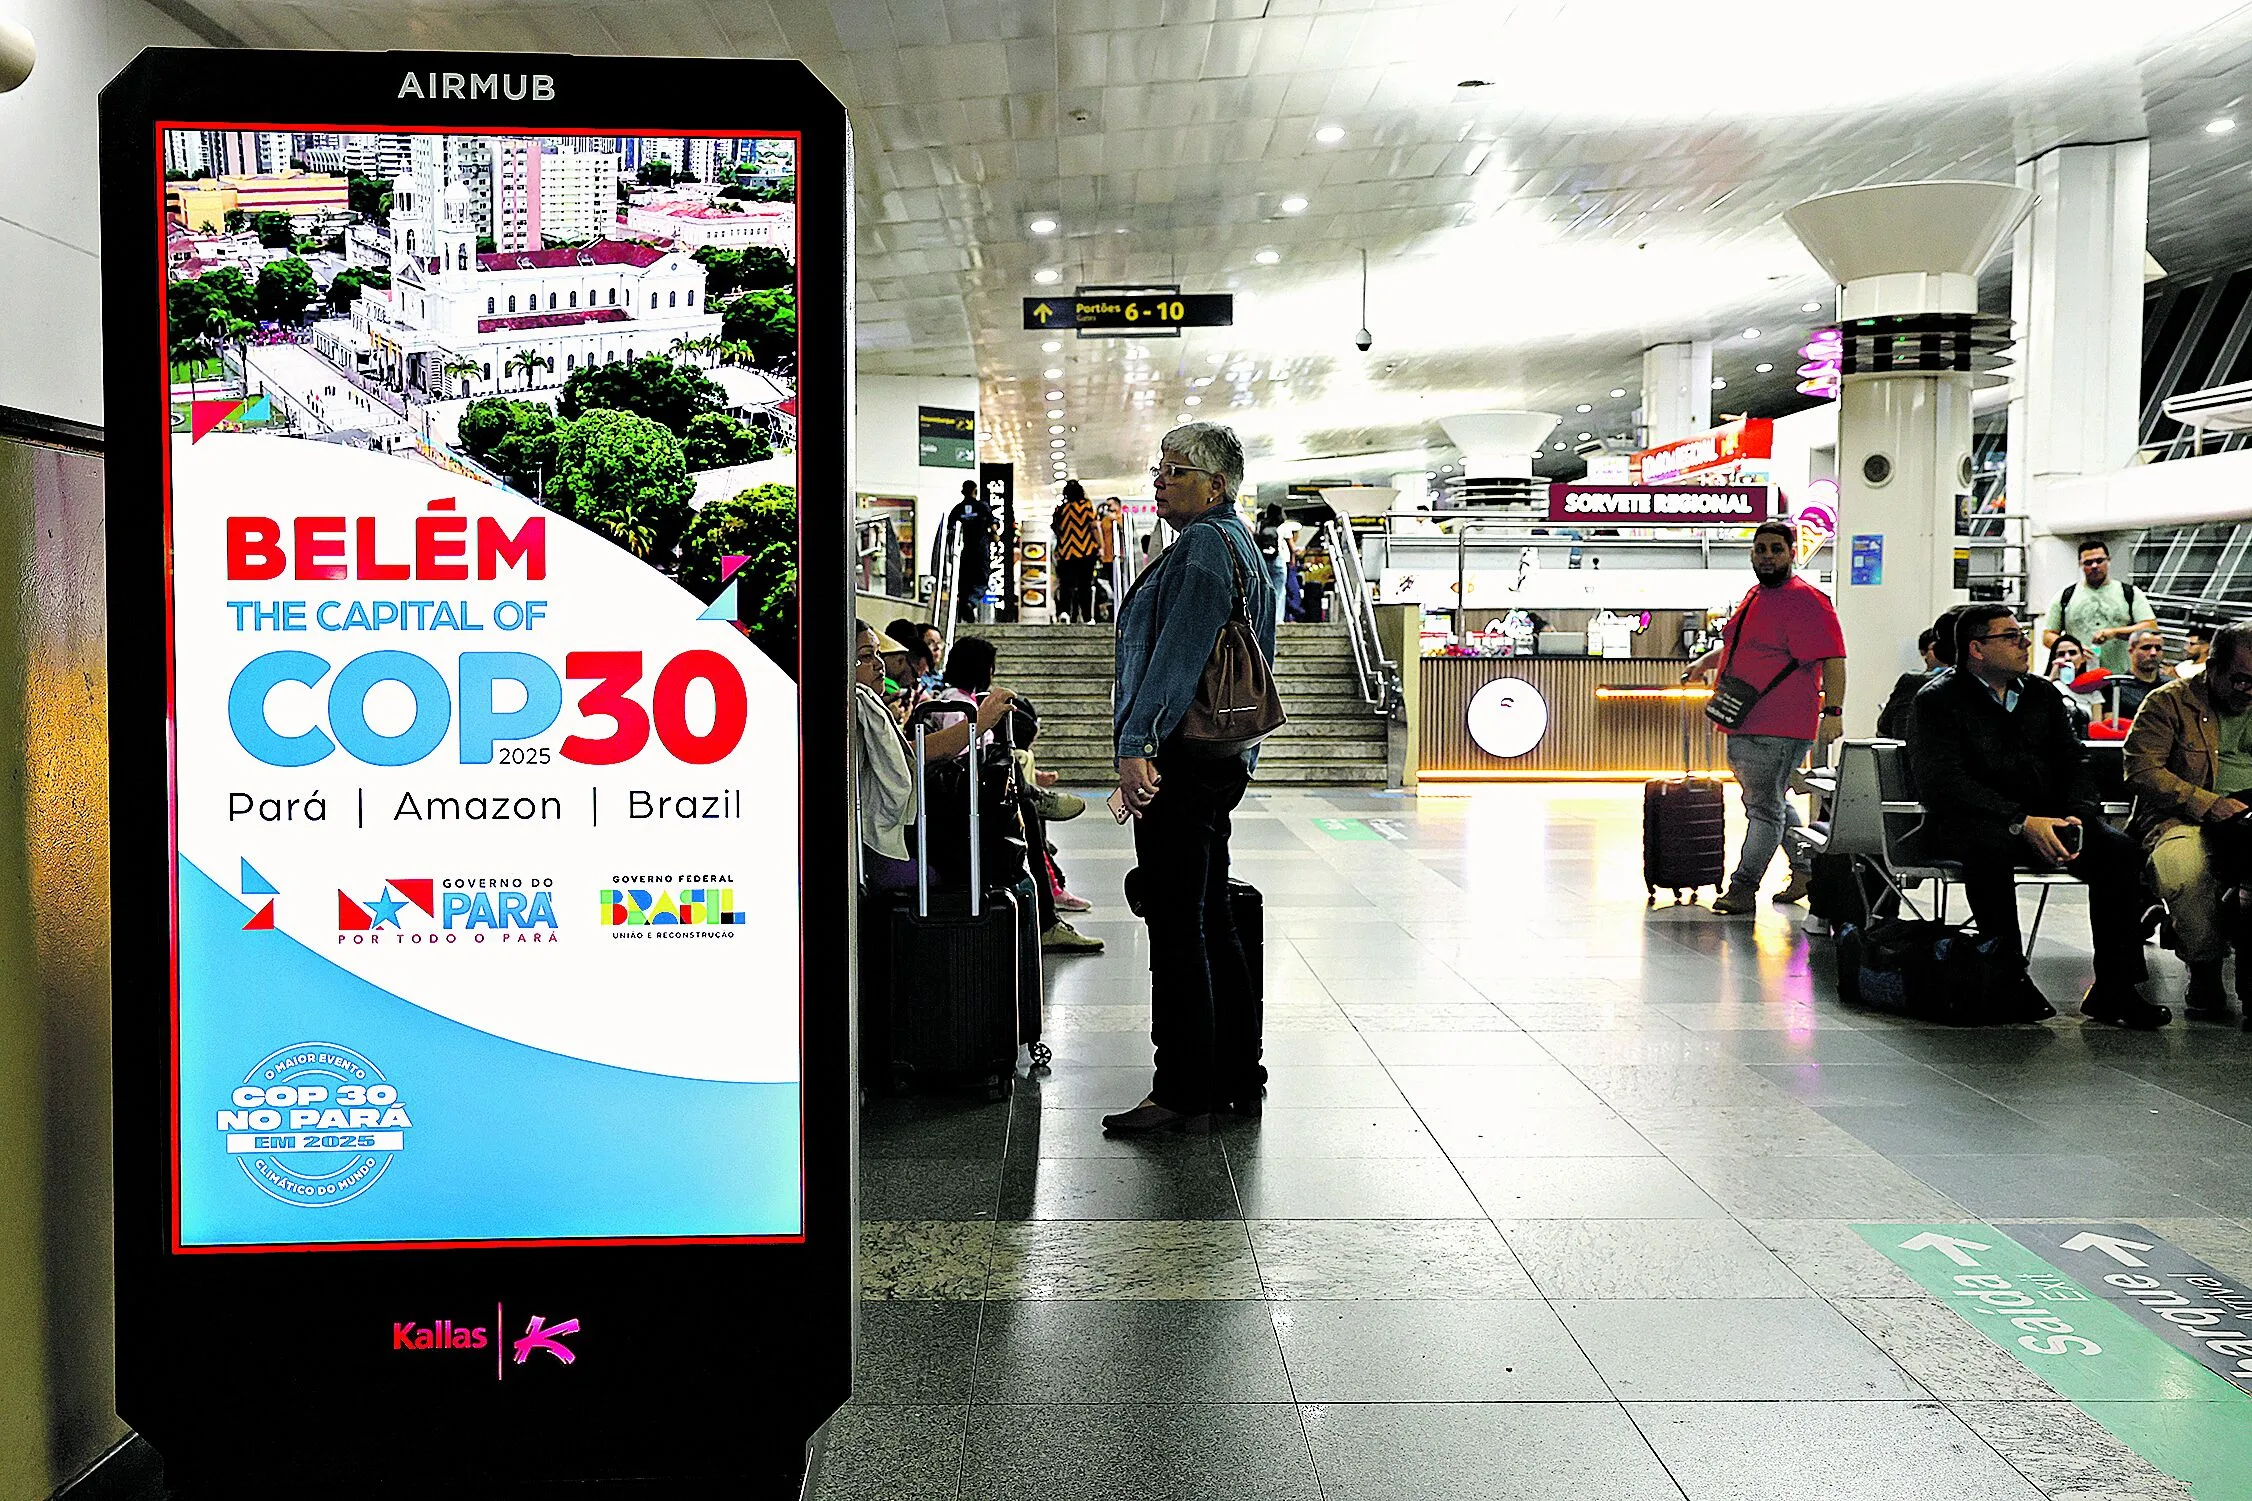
[(1783, 638)]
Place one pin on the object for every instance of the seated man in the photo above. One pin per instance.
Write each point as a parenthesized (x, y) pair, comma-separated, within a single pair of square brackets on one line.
[(1936, 645), (2189, 761), (2146, 655), (2005, 783)]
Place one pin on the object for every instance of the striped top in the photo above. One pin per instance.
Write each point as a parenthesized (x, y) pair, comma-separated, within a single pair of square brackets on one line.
[(1075, 531)]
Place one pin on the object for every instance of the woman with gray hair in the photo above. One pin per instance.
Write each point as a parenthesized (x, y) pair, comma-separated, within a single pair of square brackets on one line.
[(1202, 1012)]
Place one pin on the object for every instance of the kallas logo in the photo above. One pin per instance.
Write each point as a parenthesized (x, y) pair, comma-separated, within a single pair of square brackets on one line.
[(444, 1334), (537, 1336)]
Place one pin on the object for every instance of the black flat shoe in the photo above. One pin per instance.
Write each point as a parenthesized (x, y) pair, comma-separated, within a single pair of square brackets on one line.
[(2122, 1007), (1149, 1117), (2027, 1004)]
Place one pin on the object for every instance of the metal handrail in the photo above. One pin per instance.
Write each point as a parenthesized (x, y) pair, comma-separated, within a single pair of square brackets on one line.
[(1377, 677), (947, 555)]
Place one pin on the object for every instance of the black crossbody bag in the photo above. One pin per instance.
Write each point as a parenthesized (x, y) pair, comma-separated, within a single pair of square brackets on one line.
[(1732, 697)]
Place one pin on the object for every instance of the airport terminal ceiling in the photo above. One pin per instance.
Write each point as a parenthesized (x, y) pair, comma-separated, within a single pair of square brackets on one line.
[(1542, 190)]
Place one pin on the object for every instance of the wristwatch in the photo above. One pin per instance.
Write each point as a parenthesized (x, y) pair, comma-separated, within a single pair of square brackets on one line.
[(2017, 830), (1833, 711)]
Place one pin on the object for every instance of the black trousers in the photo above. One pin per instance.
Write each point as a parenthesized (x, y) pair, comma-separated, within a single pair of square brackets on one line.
[(1201, 1010), (2109, 862), (1075, 588)]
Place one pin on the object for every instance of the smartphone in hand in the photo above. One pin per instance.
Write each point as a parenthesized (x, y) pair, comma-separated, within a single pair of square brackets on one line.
[(2069, 837)]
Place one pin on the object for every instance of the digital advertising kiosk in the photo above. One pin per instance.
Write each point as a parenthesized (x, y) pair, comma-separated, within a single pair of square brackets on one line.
[(479, 768)]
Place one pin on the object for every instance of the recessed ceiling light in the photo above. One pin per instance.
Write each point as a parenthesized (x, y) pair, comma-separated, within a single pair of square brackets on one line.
[(1559, 446), (1446, 468), (2220, 127), (1052, 373), (1430, 474), (1810, 307), (1184, 419), (1201, 382), (1043, 226), (1055, 443), (1268, 257), (1053, 346), (1055, 395), (1761, 368), (1584, 407), (1718, 384), (1192, 401), (1047, 275), (1294, 205), (1751, 333), (1054, 428), (1055, 411), (1585, 436), (1330, 135)]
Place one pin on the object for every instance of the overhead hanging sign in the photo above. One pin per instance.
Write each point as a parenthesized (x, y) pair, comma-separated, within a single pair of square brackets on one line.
[(470, 793), (945, 438), (1748, 441), (1661, 505), (1130, 311)]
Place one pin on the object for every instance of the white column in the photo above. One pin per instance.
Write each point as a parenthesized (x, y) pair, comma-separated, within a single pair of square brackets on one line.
[(2076, 297), (1676, 391), (1906, 258)]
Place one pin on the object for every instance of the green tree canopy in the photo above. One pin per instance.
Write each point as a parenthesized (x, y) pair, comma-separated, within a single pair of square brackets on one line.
[(235, 220), (285, 289), (752, 269), (622, 474), (515, 439), (768, 322), (274, 231), (204, 307), (652, 386), (715, 440), (762, 525), (656, 174), (368, 196)]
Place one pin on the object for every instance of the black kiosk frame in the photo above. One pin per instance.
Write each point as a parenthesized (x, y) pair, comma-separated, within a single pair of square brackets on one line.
[(694, 1356)]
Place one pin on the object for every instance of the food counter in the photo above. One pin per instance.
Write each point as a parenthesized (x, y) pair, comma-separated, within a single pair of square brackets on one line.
[(1536, 718)]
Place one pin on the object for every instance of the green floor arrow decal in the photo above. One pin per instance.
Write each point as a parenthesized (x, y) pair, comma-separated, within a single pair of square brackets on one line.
[(2164, 1405)]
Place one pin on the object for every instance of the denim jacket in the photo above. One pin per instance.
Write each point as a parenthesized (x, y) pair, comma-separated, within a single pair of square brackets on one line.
[(1171, 618)]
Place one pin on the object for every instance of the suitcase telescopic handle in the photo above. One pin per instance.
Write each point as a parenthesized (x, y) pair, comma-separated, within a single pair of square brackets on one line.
[(922, 828)]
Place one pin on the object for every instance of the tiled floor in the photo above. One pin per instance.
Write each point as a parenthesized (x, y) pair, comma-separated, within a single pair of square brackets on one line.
[(1552, 1198)]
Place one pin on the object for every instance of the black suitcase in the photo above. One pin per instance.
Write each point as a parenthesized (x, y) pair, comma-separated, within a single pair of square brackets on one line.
[(1250, 911), (954, 967), (1684, 830)]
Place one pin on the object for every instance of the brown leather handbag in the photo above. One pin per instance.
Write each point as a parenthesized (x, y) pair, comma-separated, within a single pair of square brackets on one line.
[(1237, 705)]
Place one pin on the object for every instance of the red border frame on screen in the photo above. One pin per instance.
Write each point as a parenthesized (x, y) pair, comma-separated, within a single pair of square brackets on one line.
[(172, 740)]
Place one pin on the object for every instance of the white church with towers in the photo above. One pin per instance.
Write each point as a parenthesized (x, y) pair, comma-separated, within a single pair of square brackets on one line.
[(458, 324)]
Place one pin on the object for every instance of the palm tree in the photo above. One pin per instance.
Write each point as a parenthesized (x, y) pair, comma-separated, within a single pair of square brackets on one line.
[(234, 333), (527, 360), (193, 351), (703, 346), (734, 351), (457, 366)]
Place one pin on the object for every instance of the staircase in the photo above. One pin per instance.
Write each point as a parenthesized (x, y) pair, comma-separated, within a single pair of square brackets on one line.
[(1334, 737)]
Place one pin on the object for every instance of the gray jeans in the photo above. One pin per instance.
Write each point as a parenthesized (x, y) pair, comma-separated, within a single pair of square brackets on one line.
[(1763, 766)]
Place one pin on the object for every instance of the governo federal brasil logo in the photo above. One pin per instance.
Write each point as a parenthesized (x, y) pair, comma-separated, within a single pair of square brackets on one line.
[(314, 1124)]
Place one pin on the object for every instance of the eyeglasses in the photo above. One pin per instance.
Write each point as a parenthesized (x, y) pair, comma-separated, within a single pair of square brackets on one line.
[(1175, 471), (2015, 638)]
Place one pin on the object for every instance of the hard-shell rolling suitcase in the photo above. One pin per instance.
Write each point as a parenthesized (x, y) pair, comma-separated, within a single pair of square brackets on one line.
[(1249, 909), (1684, 830), (952, 999)]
